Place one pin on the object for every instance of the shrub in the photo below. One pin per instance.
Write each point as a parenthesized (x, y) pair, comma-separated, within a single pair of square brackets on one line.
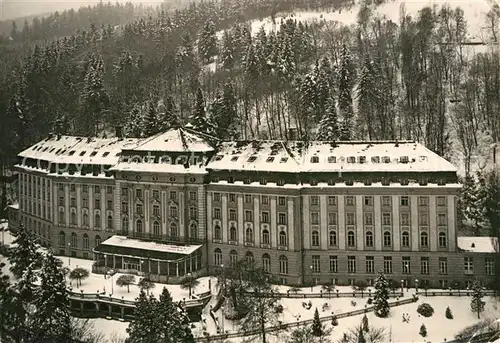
[(423, 331), (279, 308), (369, 301), (335, 321), (425, 310), (448, 313)]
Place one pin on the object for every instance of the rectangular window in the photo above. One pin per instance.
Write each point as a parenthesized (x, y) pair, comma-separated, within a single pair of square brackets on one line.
[(370, 264), (442, 219), (368, 201), (489, 265), (282, 218), (232, 214), (174, 212), (248, 198), (173, 195), (405, 219), (265, 200), (124, 191), (85, 202), (334, 264), (388, 264), (441, 201), (109, 204), (315, 218), (349, 201), (443, 265), (124, 207), (386, 201), (423, 219), (404, 201), (61, 201), (265, 217), (332, 218), (72, 187), (368, 218), (138, 193), (109, 189), (61, 187), (386, 218), (314, 200), (217, 197), (406, 267), (216, 213), (156, 194), (97, 204), (332, 201), (424, 265), (97, 189), (350, 218), (156, 210), (468, 266), (73, 202), (232, 197), (248, 216), (351, 264), (193, 195), (138, 208), (316, 265), (423, 201), (281, 201)]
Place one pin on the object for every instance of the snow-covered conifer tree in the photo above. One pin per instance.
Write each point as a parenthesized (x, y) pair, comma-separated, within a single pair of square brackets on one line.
[(207, 43), (381, 296), (24, 252)]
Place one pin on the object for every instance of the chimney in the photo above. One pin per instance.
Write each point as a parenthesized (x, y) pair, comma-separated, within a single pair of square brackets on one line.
[(118, 132)]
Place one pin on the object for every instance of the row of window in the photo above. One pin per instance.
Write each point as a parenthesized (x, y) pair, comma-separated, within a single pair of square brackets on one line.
[(369, 239), (157, 231), (85, 219), (250, 261), (248, 199), (36, 209), (73, 242), (265, 216), (249, 236), (173, 195)]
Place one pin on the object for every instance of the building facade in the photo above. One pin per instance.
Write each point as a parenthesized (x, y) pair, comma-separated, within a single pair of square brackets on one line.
[(323, 213)]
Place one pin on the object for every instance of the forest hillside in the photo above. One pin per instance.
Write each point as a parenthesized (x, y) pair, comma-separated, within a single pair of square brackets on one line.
[(280, 69)]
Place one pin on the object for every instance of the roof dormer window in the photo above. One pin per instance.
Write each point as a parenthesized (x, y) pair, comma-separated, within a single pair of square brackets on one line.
[(105, 154), (351, 159), (403, 159), (283, 159), (332, 159), (234, 158), (375, 159), (252, 159), (83, 153), (93, 153), (72, 152), (270, 159), (219, 157), (386, 159), (362, 159), (315, 159)]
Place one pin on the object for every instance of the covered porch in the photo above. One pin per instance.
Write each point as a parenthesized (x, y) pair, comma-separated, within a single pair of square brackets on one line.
[(158, 262)]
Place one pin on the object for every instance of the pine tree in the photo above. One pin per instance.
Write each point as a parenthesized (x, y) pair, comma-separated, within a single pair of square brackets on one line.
[(364, 322), (52, 322), (317, 328), (207, 44), (151, 121), (170, 117), (24, 253), (328, 127), (134, 125), (227, 51), (423, 331), (361, 336), (477, 303), (467, 201), (345, 82), (142, 329), (492, 201), (381, 296), (199, 118), (223, 113)]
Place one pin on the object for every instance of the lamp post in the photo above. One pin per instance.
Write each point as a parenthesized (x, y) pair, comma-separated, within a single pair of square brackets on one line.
[(2, 229), (402, 285), (223, 276), (69, 256), (312, 285), (105, 265), (222, 318), (188, 275), (416, 285), (110, 272), (142, 266)]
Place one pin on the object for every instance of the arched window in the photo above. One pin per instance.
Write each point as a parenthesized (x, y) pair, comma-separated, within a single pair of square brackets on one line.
[(156, 228), (217, 257), (265, 237), (85, 219), (249, 235), (332, 238), (405, 239), (74, 241), (350, 239), (233, 234), (283, 264), (193, 229), (249, 260), (442, 240), (315, 238), (283, 241), (97, 220), (368, 239), (110, 222), (125, 224), (266, 263), (424, 240), (173, 230), (85, 241), (138, 226), (97, 240), (387, 239), (62, 217), (62, 239), (233, 258), (73, 218), (217, 232)]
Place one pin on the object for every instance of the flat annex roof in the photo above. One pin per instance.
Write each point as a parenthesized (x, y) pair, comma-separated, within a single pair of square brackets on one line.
[(478, 244), (132, 243)]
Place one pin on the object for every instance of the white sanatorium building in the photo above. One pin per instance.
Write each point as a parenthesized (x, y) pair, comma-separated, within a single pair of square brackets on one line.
[(181, 202)]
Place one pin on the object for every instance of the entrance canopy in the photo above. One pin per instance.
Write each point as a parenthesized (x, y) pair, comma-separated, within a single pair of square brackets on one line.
[(121, 245)]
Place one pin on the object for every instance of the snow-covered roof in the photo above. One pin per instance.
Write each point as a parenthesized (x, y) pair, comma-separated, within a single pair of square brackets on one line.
[(178, 140), (386, 156), (14, 206), (478, 244), (79, 150), (158, 168), (125, 242)]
